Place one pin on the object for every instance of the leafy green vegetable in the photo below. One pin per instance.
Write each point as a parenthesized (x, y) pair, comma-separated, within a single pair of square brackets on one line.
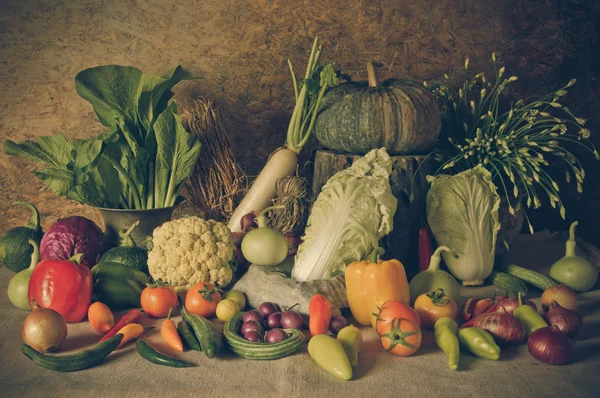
[(462, 211), (354, 210), (143, 157)]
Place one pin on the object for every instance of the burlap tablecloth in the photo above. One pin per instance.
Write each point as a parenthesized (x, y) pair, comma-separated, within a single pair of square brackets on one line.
[(126, 374)]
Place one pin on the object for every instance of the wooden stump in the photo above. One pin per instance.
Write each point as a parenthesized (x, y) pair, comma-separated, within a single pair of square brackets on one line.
[(401, 243)]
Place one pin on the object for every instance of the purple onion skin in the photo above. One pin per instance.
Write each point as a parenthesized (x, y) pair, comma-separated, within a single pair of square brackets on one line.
[(274, 320), (72, 235), (275, 336), (253, 315), (254, 337), (550, 345), (251, 326), (267, 309), (337, 323), (291, 320), (497, 323)]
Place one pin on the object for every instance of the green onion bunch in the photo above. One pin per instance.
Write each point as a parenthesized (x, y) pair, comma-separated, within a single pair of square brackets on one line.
[(517, 143)]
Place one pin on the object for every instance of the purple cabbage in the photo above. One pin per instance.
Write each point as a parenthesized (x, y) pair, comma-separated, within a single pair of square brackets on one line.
[(72, 235)]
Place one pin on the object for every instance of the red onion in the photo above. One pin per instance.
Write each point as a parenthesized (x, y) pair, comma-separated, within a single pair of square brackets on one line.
[(253, 315), (563, 295), (550, 345), (510, 304), (337, 323), (251, 326), (504, 327), (565, 320)]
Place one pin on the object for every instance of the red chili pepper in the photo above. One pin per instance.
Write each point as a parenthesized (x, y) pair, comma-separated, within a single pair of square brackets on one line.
[(132, 316), (64, 286), (425, 248)]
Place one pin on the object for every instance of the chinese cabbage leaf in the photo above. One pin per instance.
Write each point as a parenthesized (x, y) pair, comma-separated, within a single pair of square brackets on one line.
[(462, 211), (354, 210)]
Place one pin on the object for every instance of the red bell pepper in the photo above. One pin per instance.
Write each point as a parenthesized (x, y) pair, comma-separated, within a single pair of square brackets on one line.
[(64, 286), (425, 248)]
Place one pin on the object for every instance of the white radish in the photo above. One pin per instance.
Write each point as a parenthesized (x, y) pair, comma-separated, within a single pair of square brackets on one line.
[(282, 163)]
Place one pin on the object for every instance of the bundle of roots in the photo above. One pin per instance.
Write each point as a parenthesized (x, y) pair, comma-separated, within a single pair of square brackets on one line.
[(292, 194), (217, 183)]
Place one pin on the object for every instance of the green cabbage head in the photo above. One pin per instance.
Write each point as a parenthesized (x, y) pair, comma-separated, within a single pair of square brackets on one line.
[(462, 211)]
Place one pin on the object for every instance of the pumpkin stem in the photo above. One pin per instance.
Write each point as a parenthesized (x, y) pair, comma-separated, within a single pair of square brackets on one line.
[(261, 220), (372, 73), (434, 263), (34, 220)]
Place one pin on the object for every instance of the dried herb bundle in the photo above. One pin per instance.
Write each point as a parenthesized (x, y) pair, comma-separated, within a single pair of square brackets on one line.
[(292, 193), (217, 183)]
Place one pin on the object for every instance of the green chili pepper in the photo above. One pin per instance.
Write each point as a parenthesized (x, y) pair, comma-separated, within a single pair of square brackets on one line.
[(445, 337), (479, 342), (530, 317)]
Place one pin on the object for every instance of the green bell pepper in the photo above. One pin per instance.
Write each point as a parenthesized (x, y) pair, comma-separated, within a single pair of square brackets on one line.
[(445, 337), (479, 342)]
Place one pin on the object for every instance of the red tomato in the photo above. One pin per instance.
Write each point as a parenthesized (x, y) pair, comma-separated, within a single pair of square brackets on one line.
[(395, 309), (158, 299), (435, 305), (401, 337), (202, 299)]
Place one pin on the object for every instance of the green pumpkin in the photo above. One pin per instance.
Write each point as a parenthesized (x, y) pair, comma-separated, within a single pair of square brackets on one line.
[(400, 115), (15, 250), (127, 253)]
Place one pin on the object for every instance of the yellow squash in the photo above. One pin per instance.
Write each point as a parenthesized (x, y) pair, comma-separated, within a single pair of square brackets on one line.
[(372, 282)]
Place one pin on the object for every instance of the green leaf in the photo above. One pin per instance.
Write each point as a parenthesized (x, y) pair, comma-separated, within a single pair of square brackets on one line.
[(101, 188), (87, 153), (177, 153), (154, 94), (328, 76), (58, 180), (112, 90), (55, 150)]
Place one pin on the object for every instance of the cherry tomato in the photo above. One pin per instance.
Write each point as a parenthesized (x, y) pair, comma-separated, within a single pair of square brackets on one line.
[(202, 299), (395, 309), (158, 298), (433, 306), (401, 337)]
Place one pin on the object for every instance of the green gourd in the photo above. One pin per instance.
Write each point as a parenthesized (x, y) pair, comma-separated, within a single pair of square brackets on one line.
[(127, 253), (264, 245), (15, 251), (18, 286), (572, 270), (399, 115), (434, 278)]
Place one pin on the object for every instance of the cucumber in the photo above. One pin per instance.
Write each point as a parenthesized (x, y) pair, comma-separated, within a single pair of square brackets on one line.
[(260, 351), (118, 293), (70, 363), (536, 279), (509, 283), (187, 336), (147, 352), (208, 336)]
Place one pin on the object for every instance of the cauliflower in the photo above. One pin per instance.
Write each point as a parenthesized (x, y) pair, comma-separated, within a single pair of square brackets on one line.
[(191, 250)]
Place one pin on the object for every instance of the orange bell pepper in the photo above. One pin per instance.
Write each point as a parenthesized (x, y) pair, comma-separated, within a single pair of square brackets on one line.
[(372, 282)]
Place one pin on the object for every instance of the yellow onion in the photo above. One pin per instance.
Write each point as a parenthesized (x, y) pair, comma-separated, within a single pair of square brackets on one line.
[(44, 329)]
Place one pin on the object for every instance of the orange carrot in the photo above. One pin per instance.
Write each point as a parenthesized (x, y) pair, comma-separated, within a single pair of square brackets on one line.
[(101, 317), (319, 312), (168, 331), (130, 332)]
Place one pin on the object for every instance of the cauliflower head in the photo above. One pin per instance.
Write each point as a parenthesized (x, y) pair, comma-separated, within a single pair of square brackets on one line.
[(191, 250)]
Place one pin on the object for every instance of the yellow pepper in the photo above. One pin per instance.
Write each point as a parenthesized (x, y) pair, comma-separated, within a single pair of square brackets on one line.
[(372, 282)]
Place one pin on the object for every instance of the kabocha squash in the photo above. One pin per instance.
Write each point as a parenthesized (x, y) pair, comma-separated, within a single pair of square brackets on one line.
[(399, 115), (15, 250), (127, 253)]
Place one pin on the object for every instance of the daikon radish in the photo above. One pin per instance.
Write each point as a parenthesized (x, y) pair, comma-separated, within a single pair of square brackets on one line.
[(283, 162)]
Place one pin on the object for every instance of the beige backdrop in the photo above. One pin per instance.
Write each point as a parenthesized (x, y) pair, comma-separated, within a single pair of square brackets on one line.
[(239, 50)]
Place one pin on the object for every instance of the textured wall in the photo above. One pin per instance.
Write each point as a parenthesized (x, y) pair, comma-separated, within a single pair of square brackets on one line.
[(239, 49)]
